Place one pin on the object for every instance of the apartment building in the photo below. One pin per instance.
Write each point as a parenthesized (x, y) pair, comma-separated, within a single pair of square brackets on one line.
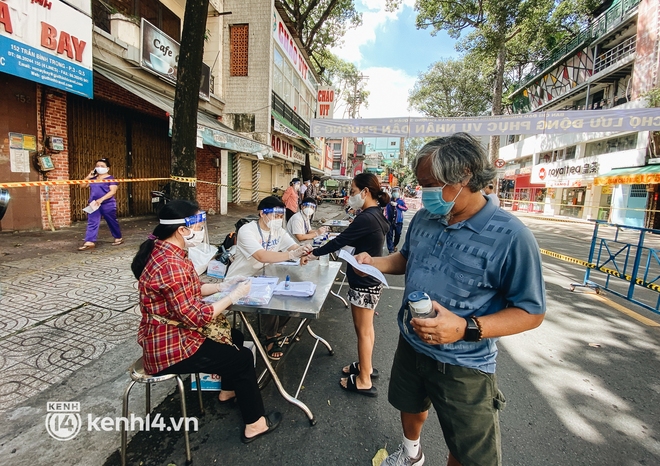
[(612, 63), (270, 91)]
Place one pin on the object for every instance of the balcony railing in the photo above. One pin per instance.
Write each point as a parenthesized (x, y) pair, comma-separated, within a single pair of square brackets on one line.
[(599, 26), (622, 50), (289, 114)]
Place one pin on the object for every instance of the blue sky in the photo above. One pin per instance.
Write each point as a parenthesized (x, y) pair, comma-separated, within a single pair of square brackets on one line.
[(392, 52)]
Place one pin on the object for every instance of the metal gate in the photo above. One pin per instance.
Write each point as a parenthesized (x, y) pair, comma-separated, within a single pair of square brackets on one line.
[(150, 158), (137, 145)]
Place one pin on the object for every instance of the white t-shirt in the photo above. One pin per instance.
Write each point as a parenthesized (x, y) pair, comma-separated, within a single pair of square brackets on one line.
[(298, 224), (251, 240)]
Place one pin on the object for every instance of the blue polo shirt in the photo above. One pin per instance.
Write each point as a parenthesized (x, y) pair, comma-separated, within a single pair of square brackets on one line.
[(477, 267)]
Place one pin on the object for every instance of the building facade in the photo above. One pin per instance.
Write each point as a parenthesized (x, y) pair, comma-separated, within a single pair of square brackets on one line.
[(270, 92), (99, 82), (612, 63)]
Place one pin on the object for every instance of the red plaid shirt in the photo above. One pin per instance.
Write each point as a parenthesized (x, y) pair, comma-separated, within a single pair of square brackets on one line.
[(170, 287)]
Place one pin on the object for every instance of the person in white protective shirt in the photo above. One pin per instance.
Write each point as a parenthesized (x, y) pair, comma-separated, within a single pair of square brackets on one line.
[(263, 242), (300, 225)]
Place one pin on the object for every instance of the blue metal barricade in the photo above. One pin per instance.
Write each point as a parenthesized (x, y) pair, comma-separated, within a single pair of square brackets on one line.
[(631, 266)]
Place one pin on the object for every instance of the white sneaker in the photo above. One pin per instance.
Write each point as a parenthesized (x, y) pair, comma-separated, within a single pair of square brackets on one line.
[(399, 458)]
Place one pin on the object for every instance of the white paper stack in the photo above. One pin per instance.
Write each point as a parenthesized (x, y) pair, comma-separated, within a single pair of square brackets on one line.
[(299, 289)]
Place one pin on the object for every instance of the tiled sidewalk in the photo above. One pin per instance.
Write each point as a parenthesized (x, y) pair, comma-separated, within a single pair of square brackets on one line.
[(61, 309)]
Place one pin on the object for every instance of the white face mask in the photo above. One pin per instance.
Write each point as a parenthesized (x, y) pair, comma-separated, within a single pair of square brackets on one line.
[(274, 224), (308, 211), (356, 202), (101, 170), (195, 239)]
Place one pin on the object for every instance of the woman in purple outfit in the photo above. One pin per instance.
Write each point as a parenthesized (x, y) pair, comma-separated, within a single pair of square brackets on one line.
[(101, 198)]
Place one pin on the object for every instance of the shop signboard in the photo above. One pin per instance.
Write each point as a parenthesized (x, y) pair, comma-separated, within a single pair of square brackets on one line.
[(286, 150), (285, 40), (160, 56), (325, 102), (556, 173), (48, 42)]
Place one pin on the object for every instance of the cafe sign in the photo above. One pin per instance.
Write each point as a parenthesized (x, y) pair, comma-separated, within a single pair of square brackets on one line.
[(160, 56)]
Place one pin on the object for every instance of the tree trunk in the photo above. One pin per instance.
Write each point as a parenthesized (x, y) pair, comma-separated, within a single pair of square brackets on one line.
[(186, 98), (494, 149)]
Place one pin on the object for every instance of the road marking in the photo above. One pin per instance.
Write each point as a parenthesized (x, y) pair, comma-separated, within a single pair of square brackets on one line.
[(626, 311)]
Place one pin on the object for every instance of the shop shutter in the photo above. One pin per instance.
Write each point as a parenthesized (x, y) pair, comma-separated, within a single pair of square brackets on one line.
[(95, 132), (265, 180)]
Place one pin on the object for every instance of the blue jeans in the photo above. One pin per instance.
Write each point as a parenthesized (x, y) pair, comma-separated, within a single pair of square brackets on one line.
[(393, 236)]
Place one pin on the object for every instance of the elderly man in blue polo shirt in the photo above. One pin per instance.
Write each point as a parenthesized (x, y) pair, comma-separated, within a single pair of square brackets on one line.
[(481, 267)]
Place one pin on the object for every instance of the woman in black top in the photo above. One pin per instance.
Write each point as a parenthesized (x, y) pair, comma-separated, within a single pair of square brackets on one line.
[(366, 234)]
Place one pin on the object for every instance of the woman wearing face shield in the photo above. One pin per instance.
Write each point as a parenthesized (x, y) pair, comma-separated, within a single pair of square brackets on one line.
[(101, 198), (366, 234), (265, 242), (300, 225), (172, 308)]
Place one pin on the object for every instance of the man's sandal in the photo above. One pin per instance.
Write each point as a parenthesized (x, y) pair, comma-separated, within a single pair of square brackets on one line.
[(118, 241), (85, 247), (354, 369)]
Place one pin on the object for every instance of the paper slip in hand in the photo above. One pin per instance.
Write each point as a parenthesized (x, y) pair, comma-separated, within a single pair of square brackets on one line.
[(368, 269), (299, 289), (91, 209)]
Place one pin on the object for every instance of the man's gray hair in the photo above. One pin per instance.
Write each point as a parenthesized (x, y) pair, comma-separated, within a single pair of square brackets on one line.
[(456, 157)]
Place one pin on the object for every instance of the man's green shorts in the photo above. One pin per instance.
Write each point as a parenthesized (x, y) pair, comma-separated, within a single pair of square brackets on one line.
[(467, 402)]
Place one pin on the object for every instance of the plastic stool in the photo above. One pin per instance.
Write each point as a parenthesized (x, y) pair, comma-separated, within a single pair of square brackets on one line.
[(138, 375)]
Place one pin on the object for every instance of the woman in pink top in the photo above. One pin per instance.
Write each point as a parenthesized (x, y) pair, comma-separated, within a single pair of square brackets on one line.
[(290, 198)]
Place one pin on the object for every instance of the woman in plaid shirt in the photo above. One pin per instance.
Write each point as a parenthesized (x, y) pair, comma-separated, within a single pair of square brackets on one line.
[(170, 289)]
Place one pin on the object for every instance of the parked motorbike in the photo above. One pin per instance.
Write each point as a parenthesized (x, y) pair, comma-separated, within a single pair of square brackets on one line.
[(160, 198), (4, 201)]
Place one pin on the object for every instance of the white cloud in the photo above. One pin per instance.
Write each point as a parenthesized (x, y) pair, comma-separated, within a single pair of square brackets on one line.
[(388, 96), (388, 87), (373, 18)]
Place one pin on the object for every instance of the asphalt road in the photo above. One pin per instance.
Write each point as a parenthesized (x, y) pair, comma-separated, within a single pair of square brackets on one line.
[(581, 389)]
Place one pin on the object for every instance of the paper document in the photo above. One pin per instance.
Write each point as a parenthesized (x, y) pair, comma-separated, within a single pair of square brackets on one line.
[(368, 269), (261, 290), (91, 209), (299, 289)]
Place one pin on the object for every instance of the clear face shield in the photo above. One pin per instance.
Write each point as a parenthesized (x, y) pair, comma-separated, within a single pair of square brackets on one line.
[(273, 217), (195, 231), (308, 209)]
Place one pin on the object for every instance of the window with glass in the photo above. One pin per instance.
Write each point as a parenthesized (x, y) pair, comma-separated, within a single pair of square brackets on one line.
[(291, 88), (607, 146)]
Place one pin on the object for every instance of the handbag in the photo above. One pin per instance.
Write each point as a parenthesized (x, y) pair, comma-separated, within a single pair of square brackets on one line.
[(219, 329)]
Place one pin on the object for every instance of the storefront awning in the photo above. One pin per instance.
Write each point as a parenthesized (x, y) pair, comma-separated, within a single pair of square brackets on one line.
[(649, 174), (212, 132)]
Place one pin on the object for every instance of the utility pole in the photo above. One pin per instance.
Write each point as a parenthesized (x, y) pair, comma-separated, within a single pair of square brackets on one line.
[(354, 100)]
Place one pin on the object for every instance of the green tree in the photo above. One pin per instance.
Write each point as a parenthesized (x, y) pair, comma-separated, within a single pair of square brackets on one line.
[(492, 29), (320, 24), (186, 97), (452, 88), (349, 83)]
